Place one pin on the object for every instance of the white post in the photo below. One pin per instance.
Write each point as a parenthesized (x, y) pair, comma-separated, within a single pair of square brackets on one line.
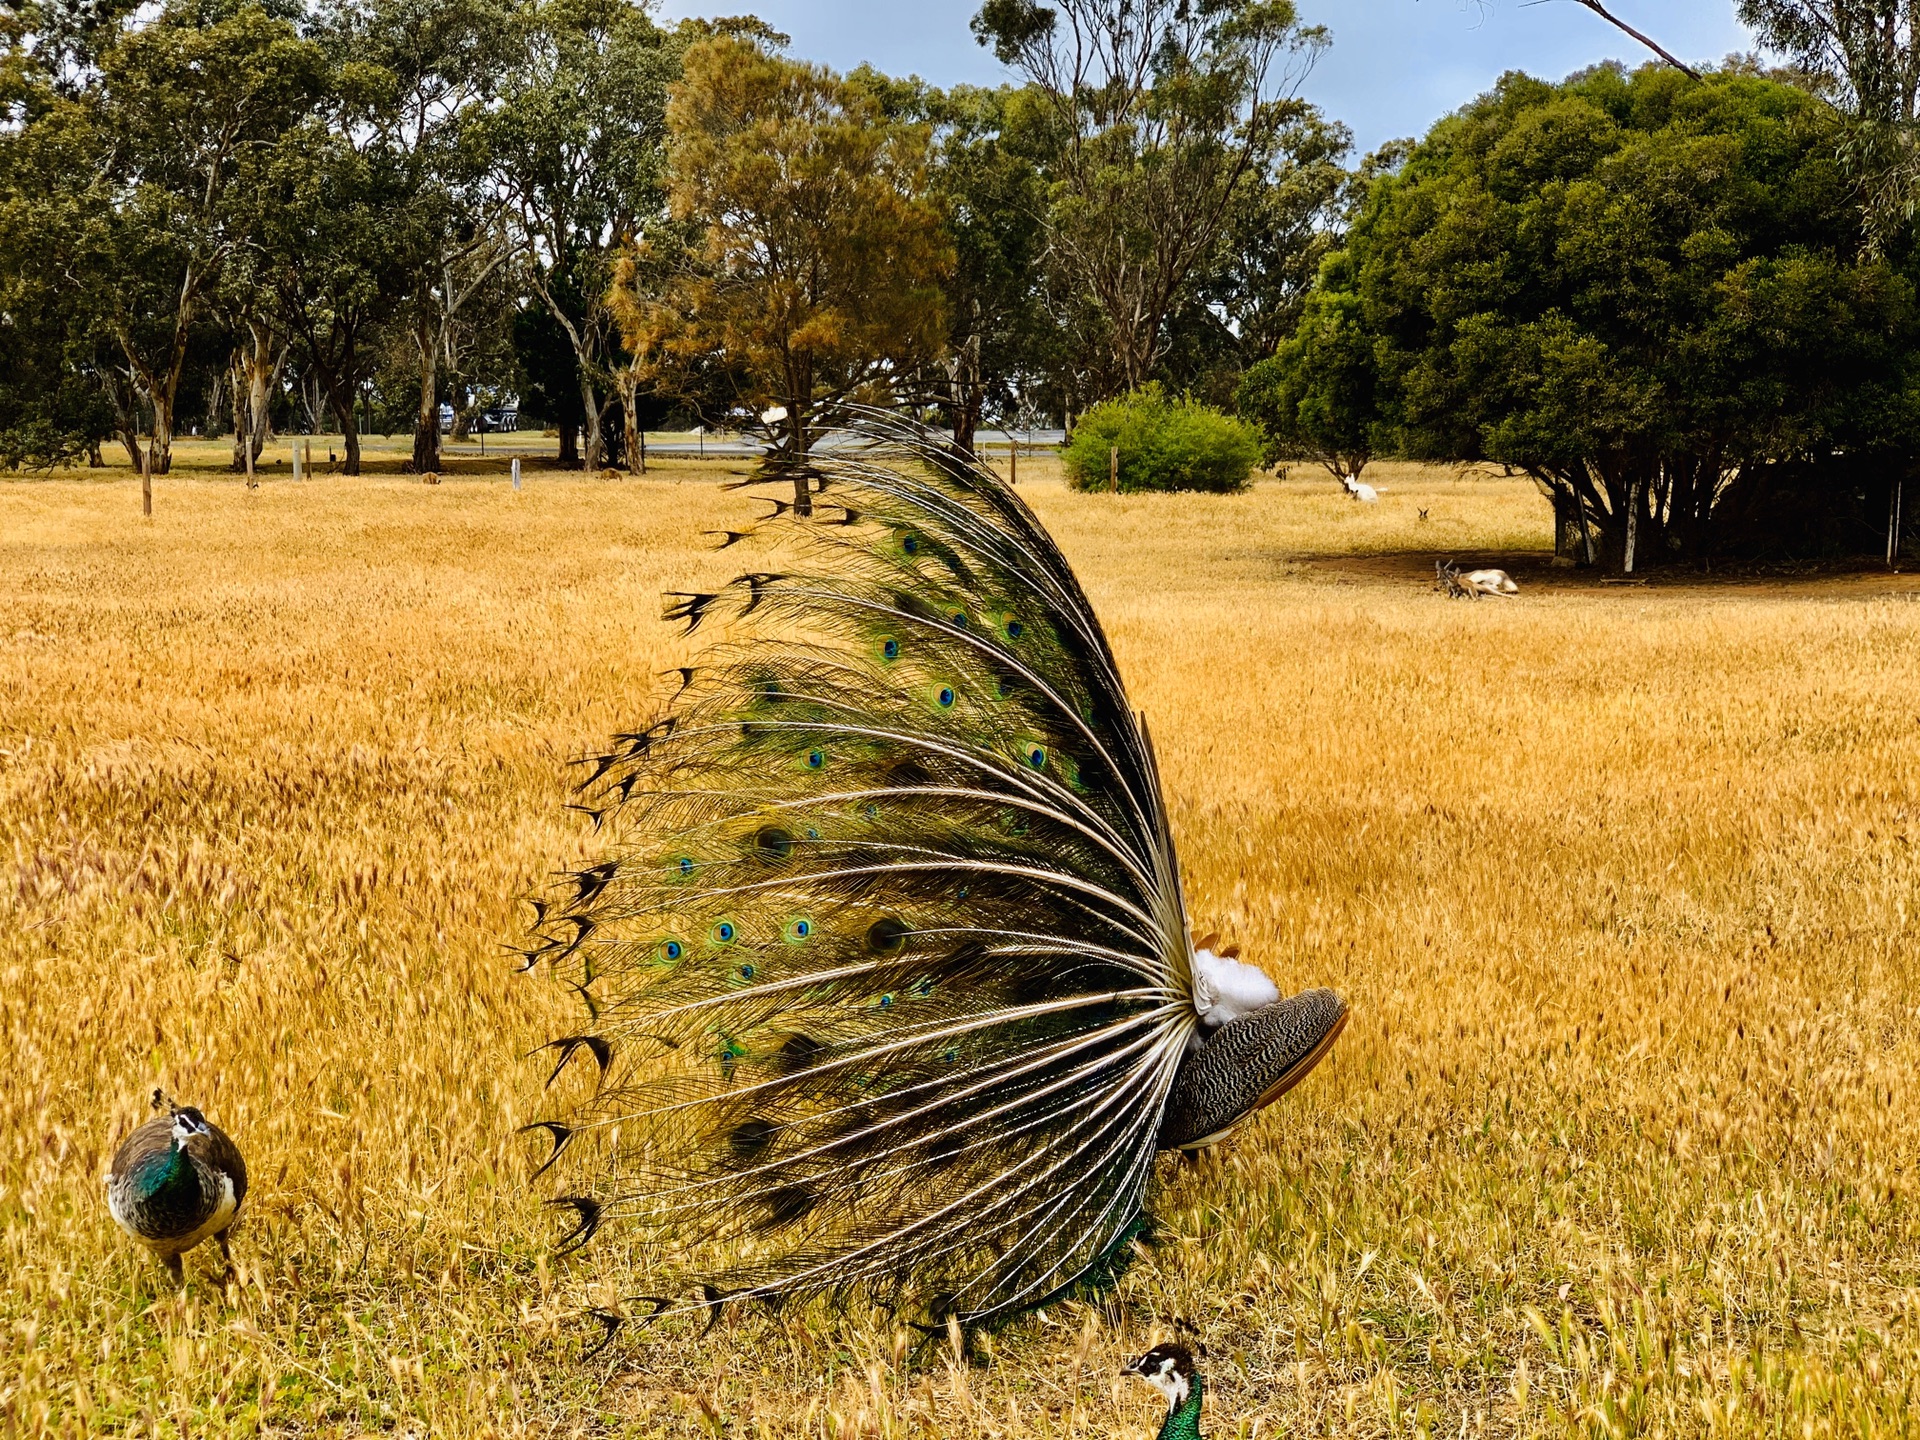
[(516, 472), (1633, 525), (296, 460)]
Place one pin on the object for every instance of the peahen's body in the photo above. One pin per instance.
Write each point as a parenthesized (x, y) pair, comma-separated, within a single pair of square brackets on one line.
[(176, 1182), (891, 972)]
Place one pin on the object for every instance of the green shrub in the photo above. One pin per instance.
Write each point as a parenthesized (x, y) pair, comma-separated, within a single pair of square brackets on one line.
[(1164, 445)]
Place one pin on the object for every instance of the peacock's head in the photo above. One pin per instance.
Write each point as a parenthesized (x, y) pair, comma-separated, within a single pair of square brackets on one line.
[(1169, 1369), (187, 1123)]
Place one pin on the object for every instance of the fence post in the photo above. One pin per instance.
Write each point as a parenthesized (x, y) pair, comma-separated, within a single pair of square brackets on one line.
[(1113, 470), (516, 472), (146, 481), (296, 460)]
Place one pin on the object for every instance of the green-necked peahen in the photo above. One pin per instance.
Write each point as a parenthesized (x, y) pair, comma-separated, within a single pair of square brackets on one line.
[(893, 984), (175, 1182), (1169, 1369)]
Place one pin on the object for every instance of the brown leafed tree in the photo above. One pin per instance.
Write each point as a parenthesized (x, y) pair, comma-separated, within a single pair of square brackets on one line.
[(815, 268)]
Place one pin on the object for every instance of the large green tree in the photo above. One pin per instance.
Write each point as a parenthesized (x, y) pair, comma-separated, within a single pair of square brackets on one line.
[(1647, 291)]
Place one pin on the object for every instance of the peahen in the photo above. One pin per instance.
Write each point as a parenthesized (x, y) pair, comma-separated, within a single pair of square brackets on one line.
[(890, 972), (1169, 1369), (175, 1182)]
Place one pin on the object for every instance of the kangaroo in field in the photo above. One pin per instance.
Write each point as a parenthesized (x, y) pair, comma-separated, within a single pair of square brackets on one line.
[(1473, 585)]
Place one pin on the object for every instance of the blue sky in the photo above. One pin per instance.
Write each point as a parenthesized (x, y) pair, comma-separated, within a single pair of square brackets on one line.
[(1396, 65)]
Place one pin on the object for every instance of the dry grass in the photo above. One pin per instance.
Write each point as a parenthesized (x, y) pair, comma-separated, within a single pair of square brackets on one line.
[(1621, 886)]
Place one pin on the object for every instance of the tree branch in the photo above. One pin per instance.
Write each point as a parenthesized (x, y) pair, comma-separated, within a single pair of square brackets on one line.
[(1614, 20)]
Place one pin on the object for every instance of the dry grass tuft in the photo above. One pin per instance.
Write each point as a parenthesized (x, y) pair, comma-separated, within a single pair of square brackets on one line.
[(1621, 884)]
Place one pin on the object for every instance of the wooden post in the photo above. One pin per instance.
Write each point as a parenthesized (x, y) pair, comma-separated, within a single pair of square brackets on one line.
[(1013, 459), (306, 466), (1113, 470), (146, 481), (643, 452)]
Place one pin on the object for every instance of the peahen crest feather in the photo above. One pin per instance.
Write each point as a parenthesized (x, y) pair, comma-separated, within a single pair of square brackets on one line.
[(889, 960)]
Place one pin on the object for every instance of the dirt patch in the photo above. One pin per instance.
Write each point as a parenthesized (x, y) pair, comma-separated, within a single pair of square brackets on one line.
[(1533, 570)]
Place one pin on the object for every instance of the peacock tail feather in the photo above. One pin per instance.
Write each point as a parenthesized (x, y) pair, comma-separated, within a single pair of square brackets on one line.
[(888, 965)]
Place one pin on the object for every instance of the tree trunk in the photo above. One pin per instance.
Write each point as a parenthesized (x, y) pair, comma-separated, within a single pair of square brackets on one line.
[(426, 425), (569, 457), (216, 393), (635, 445), (120, 391), (963, 376), (160, 452), (349, 433), (1633, 525), (595, 447)]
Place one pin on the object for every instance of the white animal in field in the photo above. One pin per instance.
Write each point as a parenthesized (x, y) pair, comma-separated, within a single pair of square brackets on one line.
[(1364, 493), (1490, 582)]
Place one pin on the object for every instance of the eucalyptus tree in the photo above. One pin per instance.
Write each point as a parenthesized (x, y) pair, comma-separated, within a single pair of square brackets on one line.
[(577, 157), (1165, 112), (156, 125), (434, 68), (1865, 56)]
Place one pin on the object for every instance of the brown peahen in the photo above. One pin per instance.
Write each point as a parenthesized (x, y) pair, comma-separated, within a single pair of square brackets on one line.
[(892, 985)]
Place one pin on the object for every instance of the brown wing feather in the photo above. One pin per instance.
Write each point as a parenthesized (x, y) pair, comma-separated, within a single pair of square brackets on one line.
[(224, 1156), (149, 1139)]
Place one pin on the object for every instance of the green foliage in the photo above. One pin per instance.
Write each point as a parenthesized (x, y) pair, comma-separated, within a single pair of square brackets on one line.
[(1645, 290), (1164, 445), (1320, 393)]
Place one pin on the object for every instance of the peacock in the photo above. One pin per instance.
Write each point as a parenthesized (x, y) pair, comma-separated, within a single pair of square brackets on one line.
[(1170, 1370), (891, 983), (176, 1182)]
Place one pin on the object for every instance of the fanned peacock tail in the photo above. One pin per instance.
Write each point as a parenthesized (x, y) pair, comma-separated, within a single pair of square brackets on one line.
[(889, 964)]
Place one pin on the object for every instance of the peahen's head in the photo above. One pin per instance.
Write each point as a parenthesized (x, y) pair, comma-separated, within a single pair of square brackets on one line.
[(1169, 1369), (187, 1123)]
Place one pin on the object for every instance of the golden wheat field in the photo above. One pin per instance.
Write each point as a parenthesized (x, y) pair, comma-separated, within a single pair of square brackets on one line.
[(1622, 883)]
